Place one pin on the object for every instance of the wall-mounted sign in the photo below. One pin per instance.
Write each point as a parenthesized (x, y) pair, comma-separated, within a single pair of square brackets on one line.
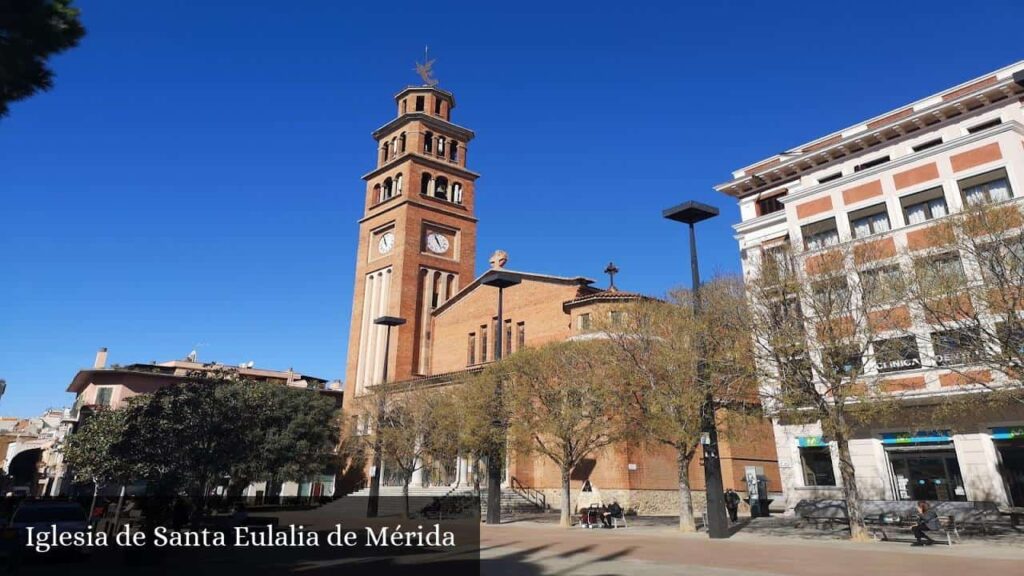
[(1008, 433), (811, 441), (919, 437)]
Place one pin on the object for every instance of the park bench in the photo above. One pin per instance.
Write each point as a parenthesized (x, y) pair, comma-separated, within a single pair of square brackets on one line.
[(883, 524)]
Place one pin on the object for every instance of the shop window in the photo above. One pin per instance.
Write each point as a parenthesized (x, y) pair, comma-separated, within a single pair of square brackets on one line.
[(924, 206), (895, 354), (820, 234), (817, 466), (957, 346), (925, 471), (870, 220), (986, 188)]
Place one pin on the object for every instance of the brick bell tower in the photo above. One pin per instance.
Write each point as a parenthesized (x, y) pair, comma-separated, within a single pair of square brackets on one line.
[(417, 236)]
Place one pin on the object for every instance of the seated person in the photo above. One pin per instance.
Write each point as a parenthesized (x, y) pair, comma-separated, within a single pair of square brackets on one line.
[(584, 517), (613, 511)]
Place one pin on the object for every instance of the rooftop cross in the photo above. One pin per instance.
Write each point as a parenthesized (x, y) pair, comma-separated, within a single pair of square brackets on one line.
[(611, 271)]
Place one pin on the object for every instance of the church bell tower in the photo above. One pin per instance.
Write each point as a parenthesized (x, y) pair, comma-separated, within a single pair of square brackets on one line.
[(417, 236)]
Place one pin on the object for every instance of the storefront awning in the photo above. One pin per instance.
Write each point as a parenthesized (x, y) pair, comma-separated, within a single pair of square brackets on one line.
[(1008, 433), (919, 437)]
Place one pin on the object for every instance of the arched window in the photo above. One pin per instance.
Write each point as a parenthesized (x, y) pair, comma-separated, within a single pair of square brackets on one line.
[(441, 188), (401, 143), (428, 142), (394, 147), (403, 105), (384, 153), (440, 146), (398, 185), (425, 184), (457, 192), (453, 151), (388, 190), (377, 194)]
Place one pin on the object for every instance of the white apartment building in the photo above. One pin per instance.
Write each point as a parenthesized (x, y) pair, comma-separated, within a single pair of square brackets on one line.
[(888, 178)]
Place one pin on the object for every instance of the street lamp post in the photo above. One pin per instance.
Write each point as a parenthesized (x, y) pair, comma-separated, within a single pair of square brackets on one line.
[(373, 503), (499, 280), (718, 525)]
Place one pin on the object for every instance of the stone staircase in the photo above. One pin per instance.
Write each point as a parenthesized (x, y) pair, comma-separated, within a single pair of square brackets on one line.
[(513, 503)]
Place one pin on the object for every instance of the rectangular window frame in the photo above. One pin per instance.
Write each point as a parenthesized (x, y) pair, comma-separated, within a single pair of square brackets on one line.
[(897, 354), (868, 215), (824, 233), (471, 349), (985, 179), (926, 200), (818, 474)]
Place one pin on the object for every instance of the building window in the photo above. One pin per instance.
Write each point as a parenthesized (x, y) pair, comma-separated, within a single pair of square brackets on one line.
[(844, 361), (508, 338), (441, 188), (471, 350), (520, 335), (388, 190), (404, 102), (453, 151), (384, 153), (1002, 263), (420, 103), (401, 143), (437, 105), (925, 470), (984, 125), (817, 465), (457, 193), (831, 296), (616, 317), (944, 270), (497, 336), (103, 396), (425, 181), (880, 285), (769, 205), (830, 177), (896, 354), (871, 163), (398, 185), (870, 220), (583, 321), (483, 343), (428, 142), (924, 206), (957, 346), (820, 234), (440, 145), (927, 145), (986, 188)]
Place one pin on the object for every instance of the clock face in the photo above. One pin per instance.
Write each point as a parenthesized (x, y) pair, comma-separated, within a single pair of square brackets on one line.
[(386, 243), (437, 243)]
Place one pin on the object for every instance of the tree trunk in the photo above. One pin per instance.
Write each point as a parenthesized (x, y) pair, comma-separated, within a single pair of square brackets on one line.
[(853, 510), (565, 516), (686, 521), (405, 493)]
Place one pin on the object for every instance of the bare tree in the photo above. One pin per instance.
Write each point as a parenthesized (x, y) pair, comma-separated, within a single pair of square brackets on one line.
[(561, 400), (657, 347), (826, 327), (968, 281)]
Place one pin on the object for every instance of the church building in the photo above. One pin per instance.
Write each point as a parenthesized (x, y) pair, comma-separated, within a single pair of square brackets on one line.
[(416, 261)]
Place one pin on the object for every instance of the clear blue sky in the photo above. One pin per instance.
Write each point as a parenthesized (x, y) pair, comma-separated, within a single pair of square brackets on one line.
[(194, 177)]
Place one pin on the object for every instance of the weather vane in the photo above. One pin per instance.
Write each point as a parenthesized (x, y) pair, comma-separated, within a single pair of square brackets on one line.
[(426, 70)]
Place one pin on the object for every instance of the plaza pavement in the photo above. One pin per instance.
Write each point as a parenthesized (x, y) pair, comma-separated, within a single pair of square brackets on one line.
[(533, 547)]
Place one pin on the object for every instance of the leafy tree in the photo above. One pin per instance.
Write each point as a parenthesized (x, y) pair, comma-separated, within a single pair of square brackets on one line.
[(413, 427), (657, 347), (188, 437), (30, 32), (561, 400)]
